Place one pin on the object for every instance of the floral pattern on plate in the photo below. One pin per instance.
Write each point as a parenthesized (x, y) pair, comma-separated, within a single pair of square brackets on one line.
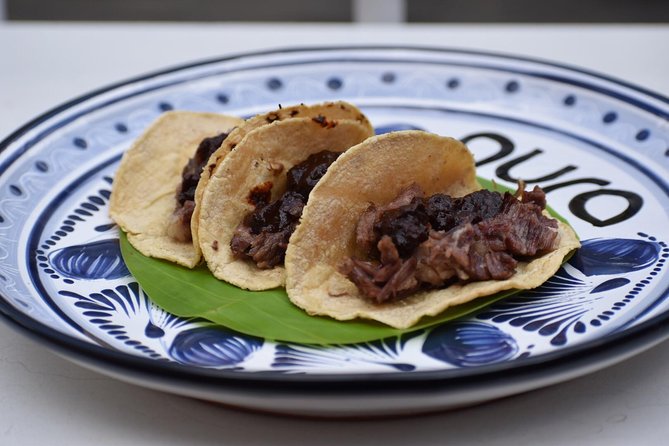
[(596, 152)]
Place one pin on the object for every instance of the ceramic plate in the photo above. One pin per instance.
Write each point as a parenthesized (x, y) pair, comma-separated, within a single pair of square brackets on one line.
[(597, 146)]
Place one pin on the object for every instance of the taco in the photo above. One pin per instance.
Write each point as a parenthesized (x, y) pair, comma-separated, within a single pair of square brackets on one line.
[(148, 191), (398, 229), (323, 113), (254, 198)]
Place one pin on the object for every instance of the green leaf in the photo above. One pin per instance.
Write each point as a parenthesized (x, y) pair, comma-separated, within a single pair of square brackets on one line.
[(266, 314)]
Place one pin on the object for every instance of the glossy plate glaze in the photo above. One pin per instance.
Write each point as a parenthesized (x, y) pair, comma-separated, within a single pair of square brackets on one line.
[(597, 146)]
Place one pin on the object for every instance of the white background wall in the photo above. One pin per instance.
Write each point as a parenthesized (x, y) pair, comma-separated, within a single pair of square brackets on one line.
[(389, 11)]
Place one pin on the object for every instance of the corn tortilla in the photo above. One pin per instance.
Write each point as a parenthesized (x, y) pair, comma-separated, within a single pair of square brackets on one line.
[(145, 184), (375, 171), (330, 110), (225, 202)]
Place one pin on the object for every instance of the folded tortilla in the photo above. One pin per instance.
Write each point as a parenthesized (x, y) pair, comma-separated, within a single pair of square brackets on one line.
[(145, 184), (327, 110), (375, 171), (225, 199)]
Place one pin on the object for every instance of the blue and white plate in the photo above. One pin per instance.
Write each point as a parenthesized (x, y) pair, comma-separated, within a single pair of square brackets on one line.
[(597, 146)]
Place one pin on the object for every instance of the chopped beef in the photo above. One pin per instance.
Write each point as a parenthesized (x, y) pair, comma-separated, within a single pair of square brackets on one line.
[(536, 196), (302, 177), (366, 237), (364, 231), (463, 253), (441, 212), (264, 233), (386, 280), (431, 269), (406, 225), (276, 215), (242, 239), (266, 249), (526, 231), (191, 173), (179, 225), (447, 213), (481, 236), (409, 217)]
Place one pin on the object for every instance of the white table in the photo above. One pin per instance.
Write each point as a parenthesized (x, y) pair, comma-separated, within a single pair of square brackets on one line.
[(47, 400)]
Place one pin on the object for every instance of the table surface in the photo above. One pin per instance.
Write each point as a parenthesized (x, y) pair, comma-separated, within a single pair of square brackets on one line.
[(44, 398)]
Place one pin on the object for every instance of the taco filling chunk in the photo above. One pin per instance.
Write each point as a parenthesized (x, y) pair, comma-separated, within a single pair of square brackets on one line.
[(263, 235), (180, 222), (418, 242)]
